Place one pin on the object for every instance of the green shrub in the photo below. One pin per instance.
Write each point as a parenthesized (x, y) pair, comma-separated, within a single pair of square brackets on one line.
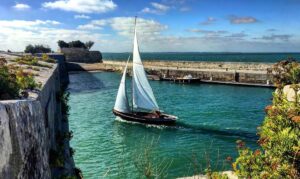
[(286, 72), (77, 44), (13, 80), (37, 49), (25, 80), (279, 156), (47, 59), (63, 44), (34, 61), (9, 88)]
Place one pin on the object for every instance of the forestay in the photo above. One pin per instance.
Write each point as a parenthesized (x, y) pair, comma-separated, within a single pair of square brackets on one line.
[(122, 100), (143, 97)]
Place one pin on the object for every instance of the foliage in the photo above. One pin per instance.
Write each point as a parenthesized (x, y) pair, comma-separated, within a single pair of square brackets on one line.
[(34, 61), (9, 88), (25, 80), (78, 172), (286, 72), (14, 79), (47, 59), (75, 44), (279, 156), (145, 166), (217, 175), (62, 44), (89, 44), (37, 49), (28, 60), (56, 158)]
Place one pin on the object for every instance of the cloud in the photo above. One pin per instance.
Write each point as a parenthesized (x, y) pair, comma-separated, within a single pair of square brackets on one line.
[(209, 33), (160, 7), (208, 21), (20, 6), (273, 37), (219, 34), (214, 44), (93, 25), (124, 26), (175, 2), (242, 20), (157, 8), (22, 24), (184, 9), (239, 35), (16, 34), (82, 6), (82, 16)]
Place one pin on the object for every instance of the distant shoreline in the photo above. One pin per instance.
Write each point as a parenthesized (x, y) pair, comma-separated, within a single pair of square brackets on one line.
[(206, 56)]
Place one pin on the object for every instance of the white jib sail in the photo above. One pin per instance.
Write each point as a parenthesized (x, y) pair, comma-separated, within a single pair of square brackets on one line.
[(121, 100), (143, 97)]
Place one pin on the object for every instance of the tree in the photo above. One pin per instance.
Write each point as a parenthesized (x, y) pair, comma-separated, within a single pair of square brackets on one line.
[(62, 44), (29, 49), (37, 49), (77, 44), (89, 44)]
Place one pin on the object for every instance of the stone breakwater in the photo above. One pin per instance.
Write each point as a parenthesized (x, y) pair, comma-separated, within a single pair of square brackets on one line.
[(29, 129), (239, 73)]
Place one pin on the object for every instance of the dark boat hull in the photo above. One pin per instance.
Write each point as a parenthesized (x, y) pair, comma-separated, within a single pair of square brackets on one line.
[(141, 117)]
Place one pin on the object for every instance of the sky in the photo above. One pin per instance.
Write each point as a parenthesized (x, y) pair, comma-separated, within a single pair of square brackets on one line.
[(162, 25)]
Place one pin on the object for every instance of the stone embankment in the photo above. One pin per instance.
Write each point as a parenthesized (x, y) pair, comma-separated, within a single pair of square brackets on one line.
[(81, 55), (30, 130), (236, 73)]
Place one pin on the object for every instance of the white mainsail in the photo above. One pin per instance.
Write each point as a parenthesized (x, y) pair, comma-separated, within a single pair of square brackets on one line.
[(143, 97), (121, 100)]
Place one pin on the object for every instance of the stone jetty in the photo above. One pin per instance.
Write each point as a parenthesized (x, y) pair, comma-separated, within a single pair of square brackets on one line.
[(233, 73)]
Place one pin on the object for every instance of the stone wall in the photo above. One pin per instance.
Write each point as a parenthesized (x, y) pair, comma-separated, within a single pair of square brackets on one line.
[(81, 55), (202, 65), (28, 131), (237, 72)]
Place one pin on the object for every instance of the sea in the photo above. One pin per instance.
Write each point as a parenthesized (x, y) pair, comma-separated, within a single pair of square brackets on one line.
[(211, 118), (207, 56)]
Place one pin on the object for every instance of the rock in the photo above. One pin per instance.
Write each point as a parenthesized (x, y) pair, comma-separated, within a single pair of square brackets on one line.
[(290, 93)]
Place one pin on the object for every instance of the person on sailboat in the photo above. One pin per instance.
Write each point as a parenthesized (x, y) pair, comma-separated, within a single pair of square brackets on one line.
[(157, 113)]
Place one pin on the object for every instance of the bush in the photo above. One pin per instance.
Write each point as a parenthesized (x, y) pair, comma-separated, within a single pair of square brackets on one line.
[(37, 49), (279, 156), (89, 44), (34, 61), (25, 80), (47, 59), (286, 72), (9, 88), (13, 80), (62, 44), (75, 44)]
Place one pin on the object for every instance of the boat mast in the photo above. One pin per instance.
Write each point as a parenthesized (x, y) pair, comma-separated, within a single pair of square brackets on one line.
[(132, 66)]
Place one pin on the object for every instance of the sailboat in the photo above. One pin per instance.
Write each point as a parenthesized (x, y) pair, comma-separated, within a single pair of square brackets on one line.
[(144, 108)]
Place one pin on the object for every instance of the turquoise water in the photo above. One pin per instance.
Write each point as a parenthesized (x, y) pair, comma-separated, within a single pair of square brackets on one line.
[(211, 119), (197, 56)]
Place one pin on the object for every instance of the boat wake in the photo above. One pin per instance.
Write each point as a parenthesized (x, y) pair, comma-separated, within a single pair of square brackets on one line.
[(203, 129), (212, 130), (138, 123)]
